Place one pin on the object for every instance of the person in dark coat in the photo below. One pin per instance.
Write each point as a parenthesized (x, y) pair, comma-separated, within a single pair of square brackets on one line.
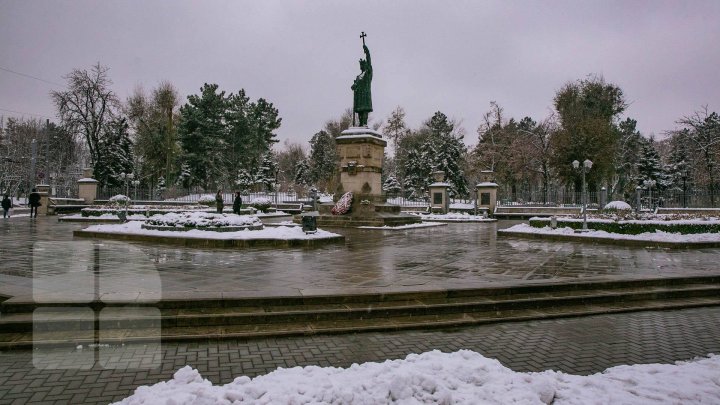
[(6, 205), (237, 204), (219, 201), (34, 202)]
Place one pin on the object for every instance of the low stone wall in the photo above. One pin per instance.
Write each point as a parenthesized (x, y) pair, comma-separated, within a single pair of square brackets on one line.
[(211, 243)]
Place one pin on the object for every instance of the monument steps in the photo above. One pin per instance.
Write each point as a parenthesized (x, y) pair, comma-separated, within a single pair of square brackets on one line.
[(284, 316)]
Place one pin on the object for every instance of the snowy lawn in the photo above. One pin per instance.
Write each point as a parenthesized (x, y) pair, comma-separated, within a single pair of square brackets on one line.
[(275, 233), (401, 227), (463, 377), (80, 218), (658, 236)]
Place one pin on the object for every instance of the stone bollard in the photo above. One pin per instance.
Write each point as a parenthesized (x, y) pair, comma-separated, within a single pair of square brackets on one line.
[(44, 191)]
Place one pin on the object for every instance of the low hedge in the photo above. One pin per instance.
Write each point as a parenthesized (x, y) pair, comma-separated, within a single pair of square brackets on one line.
[(632, 228)]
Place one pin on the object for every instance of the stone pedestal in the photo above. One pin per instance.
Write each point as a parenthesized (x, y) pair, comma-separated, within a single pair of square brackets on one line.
[(361, 152), (487, 196), (361, 155), (44, 191), (87, 187), (439, 198)]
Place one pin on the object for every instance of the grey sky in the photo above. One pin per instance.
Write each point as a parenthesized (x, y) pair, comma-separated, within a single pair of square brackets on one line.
[(452, 56)]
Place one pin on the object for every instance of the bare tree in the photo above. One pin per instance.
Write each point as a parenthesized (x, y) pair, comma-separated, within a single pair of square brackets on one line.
[(87, 105), (703, 130)]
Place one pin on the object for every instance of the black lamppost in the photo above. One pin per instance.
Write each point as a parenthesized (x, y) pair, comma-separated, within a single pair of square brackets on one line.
[(587, 165), (127, 178), (684, 178)]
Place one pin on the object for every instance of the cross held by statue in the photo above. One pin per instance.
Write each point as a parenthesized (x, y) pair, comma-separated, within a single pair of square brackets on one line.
[(362, 36)]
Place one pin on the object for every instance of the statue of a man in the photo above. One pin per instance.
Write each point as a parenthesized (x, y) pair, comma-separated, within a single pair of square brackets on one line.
[(362, 101)]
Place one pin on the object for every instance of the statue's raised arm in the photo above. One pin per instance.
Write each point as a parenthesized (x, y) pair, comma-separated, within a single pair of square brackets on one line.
[(362, 100)]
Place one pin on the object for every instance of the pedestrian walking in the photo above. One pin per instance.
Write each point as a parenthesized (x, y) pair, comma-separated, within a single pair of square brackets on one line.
[(6, 205), (219, 201), (237, 204), (34, 202)]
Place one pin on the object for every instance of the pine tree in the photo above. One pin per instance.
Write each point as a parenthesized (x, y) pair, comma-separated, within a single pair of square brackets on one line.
[(114, 153), (201, 129), (650, 168), (391, 185), (446, 150), (266, 173), (244, 180), (302, 173), (323, 159)]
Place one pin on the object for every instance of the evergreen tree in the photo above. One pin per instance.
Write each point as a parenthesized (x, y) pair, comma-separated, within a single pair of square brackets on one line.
[(445, 150), (650, 168), (391, 185), (323, 159), (201, 129), (244, 180), (302, 173), (266, 173), (680, 165), (114, 153)]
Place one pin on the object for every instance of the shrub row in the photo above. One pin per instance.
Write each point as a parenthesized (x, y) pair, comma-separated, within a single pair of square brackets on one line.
[(633, 228)]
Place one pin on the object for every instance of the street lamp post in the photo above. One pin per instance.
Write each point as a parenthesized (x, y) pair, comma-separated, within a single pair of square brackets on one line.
[(586, 165), (127, 177), (684, 178), (650, 184), (135, 184)]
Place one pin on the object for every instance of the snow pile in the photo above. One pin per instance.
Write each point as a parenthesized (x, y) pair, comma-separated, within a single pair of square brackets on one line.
[(206, 199), (275, 233), (657, 236), (202, 220), (119, 199), (403, 227), (618, 206), (463, 377)]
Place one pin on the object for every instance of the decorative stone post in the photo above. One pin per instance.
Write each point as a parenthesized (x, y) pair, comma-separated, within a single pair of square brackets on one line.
[(87, 186), (486, 192), (638, 192), (44, 191), (439, 199), (603, 197)]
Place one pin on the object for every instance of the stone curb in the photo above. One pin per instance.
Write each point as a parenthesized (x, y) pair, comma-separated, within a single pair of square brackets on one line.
[(220, 243)]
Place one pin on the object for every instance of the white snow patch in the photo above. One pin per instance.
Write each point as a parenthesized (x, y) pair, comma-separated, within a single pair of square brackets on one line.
[(463, 377), (275, 233), (618, 205)]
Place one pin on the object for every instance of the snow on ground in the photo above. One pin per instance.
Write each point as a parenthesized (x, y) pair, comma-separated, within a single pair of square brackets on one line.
[(275, 233), (131, 217), (658, 236), (203, 219), (463, 377), (402, 227), (454, 217)]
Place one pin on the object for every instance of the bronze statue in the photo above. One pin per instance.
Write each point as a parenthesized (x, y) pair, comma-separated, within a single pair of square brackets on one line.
[(362, 100)]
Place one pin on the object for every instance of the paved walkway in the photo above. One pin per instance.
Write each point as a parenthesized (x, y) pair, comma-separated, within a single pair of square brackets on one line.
[(575, 345), (457, 255)]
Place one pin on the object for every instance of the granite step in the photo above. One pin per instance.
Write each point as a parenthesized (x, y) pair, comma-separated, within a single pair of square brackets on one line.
[(347, 313), (247, 331)]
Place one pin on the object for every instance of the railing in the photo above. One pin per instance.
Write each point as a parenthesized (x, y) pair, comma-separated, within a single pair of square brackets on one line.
[(556, 198)]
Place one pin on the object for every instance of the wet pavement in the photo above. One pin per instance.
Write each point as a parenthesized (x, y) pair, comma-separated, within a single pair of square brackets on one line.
[(452, 256)]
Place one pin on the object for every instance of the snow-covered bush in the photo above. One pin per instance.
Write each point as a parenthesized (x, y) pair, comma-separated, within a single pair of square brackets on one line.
[(261, 204), (617, 206), (206, 199), (201, 220), (118, 200)]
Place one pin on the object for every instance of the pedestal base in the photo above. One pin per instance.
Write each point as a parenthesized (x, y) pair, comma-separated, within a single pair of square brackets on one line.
[(367, 214)]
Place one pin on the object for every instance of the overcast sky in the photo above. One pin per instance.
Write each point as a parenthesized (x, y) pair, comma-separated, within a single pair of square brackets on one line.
[(453, 56)]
